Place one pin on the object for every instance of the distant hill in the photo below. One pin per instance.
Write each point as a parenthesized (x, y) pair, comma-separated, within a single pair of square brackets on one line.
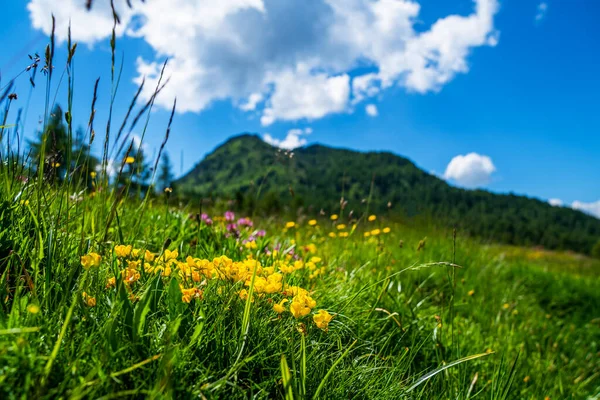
[(316, 177)]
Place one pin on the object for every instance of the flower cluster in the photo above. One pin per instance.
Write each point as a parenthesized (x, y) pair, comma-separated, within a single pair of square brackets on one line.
[(269, 283)]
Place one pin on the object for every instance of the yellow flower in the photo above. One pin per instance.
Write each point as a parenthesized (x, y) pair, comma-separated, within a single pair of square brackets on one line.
[(526, 379), (322, 319), (129, 160), (251, 245), (372, 218), (170, 255), (334, 217), (375, 232), (299, 309), (312, 222), (244, 295), (24, 202), (148, 256), (471, 292), (89, 300), (386, 230), (112, 282), (367, 234), (341, 227), (33, 308), (315, 259), (290, 224), (55, 164), (332, 234), (168, 190), (188, 294), (93, 174), (90, 260), (278, 307), (343, 234), (506, 306), (123, 251)]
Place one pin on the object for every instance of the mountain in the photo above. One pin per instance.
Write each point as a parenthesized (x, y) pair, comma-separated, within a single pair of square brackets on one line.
[(260, 176)]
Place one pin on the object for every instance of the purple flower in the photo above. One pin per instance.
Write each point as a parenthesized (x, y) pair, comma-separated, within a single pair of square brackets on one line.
[(231, 227), (261, 233), (229, 216), (245, 222), (206, 219)]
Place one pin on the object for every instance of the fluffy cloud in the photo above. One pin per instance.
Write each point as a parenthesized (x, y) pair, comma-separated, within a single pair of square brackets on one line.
[(592, 208), (542, 8), (470, 170), (292, 140), (555, 202), (287, 60), (371, 110)]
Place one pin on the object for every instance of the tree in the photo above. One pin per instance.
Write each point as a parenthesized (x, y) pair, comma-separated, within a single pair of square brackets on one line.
[(63, 156), (165, 177)]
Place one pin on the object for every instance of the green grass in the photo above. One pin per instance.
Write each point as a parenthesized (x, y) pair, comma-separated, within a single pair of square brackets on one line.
[(416, 312), (399, 313)]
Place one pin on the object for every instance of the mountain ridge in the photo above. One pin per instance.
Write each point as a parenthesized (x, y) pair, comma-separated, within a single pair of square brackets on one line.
[(260, 176)]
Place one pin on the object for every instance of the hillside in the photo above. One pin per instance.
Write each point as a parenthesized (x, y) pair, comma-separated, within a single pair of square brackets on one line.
[(316, 177)]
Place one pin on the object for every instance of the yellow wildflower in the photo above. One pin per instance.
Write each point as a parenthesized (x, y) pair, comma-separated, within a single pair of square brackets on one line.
[(322, 319), (168, 190), (278, 307), (251, 245), (471, 292), (343, 234), (299, 309), (112, 282), (55, 164), (33, 308), (367, 234), (244, 295), (290, 224), (526, 379), (24, 202), (386, 230), (129, 160), (372, 218), (332, 234), (334, 217), (506, 306), (89, 300), (188, 294), (312, 222), (341, 227), (90, 260), (149, 257), (315, 259), (93, 174), (170, 255), (123, 251), (375, 232)]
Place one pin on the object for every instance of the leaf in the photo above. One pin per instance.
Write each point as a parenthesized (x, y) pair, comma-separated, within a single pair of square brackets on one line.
[(286, 377), (436, 371)]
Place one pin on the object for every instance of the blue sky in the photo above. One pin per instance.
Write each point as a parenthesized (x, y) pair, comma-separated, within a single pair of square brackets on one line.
[(495, 94)]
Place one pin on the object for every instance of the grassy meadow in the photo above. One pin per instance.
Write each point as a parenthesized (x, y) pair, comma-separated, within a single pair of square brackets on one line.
[(109, 289)]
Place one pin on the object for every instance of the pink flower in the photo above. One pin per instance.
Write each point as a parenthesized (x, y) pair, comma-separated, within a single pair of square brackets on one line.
[(229, 216)]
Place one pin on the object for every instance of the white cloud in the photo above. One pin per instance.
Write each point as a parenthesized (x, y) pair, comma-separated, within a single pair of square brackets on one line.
[(287, 60), (555, 202), (292, 140), (470, 170), (299, 94), (371, 110), (542, 9), (592, 208), (252, 102)]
